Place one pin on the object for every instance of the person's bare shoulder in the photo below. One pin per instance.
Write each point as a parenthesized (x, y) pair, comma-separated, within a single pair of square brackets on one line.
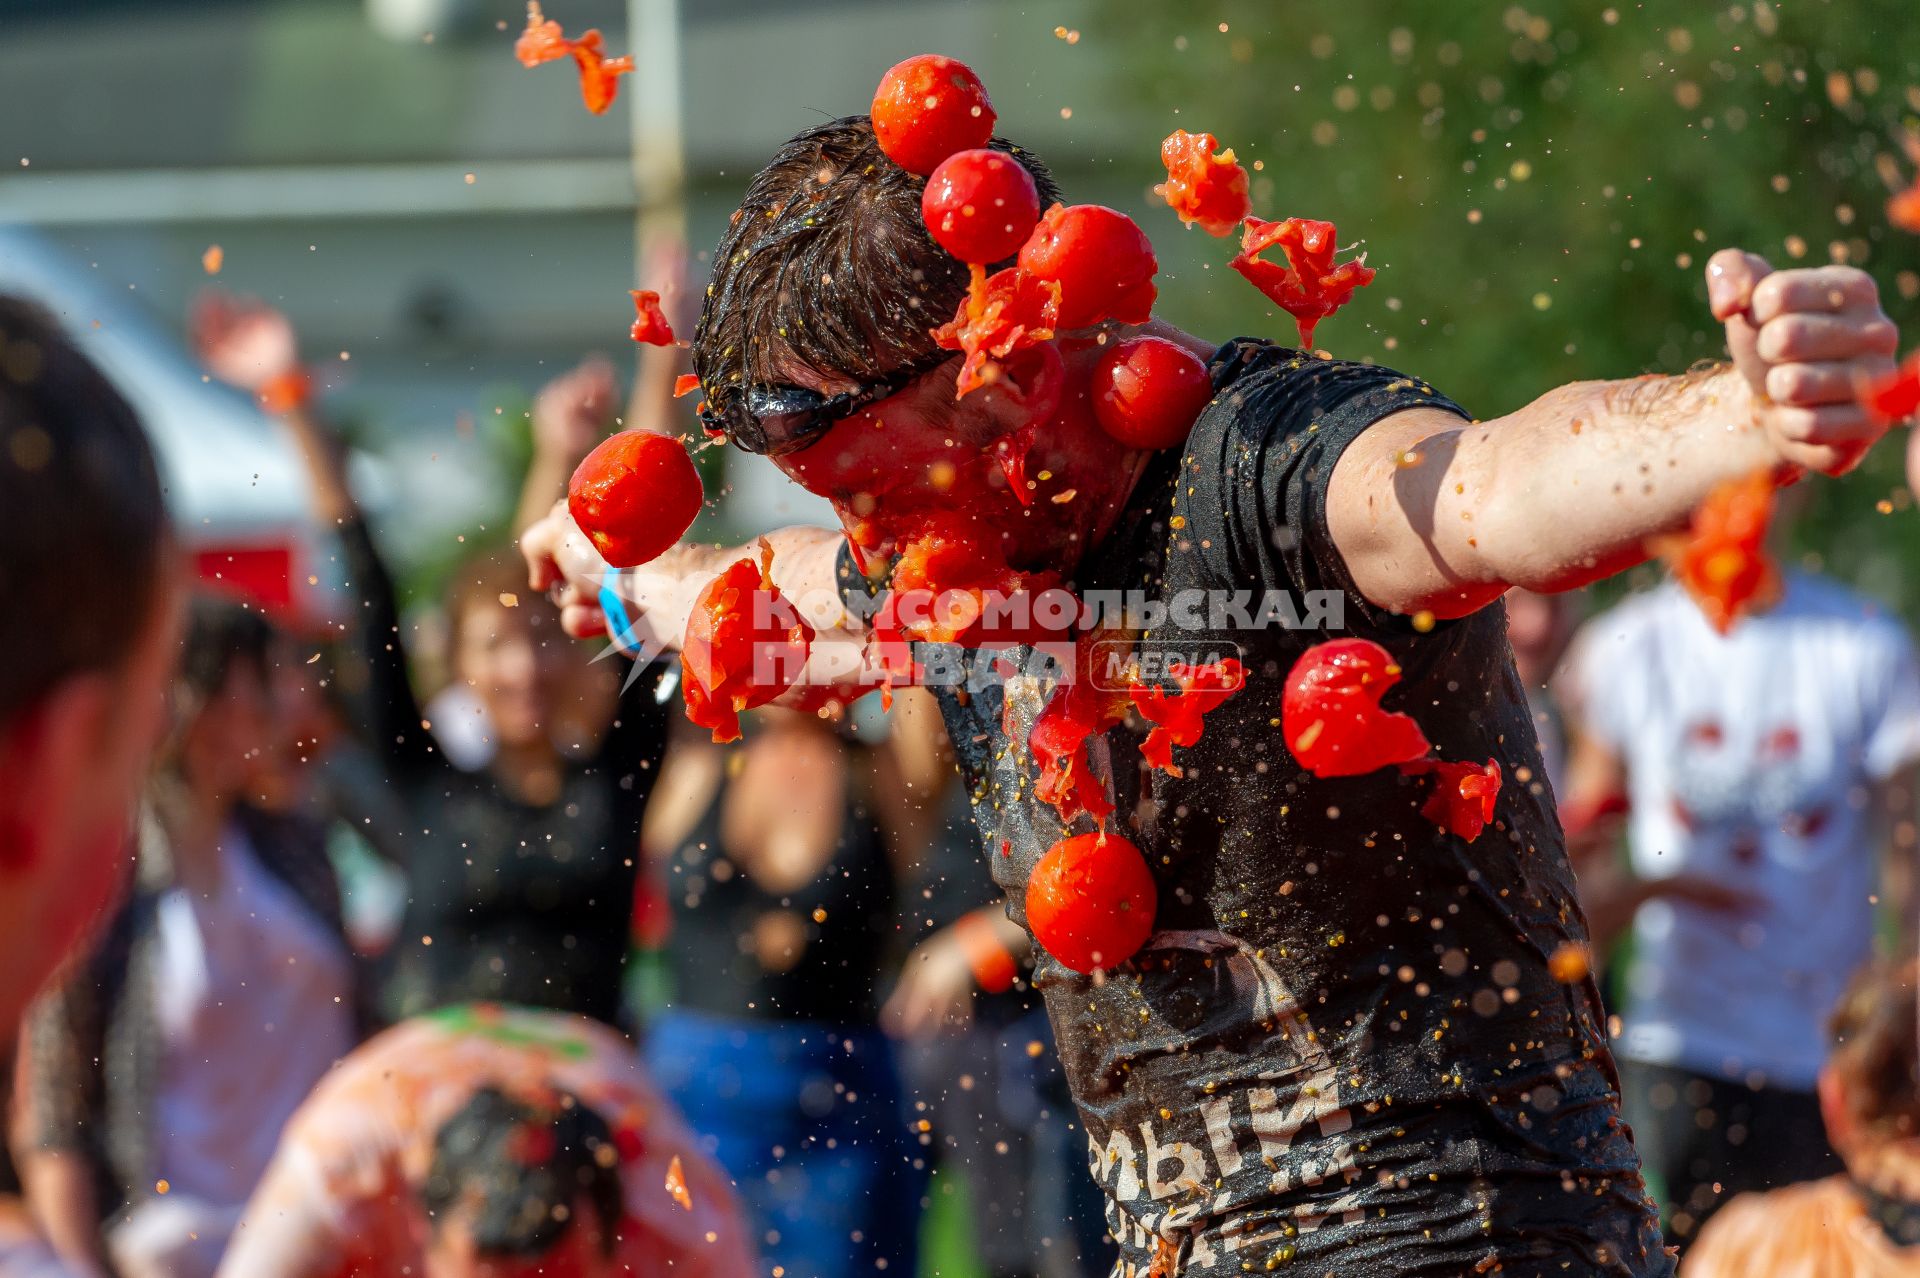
[(1798, 1229)]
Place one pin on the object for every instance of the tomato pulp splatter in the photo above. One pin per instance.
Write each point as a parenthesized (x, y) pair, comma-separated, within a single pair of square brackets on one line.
[(1090, 901), (1093, 700), (1179, 718), (650, 322), (1015, 311), (1147, 392), (1331, 715), (745, 645), (685, 384), (634, 496), (1203, 187), (1723, 562), (1102, 262), (928, 107), (1463, 796), (1309, 287), (1896, 395), (544, 41)]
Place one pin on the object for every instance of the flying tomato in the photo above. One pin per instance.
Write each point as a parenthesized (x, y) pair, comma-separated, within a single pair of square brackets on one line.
[(1723, 562), (980, 205), (634, 496), (927, 108), (1903, 210), (745, 645), (1101, 261), (1463, 797), (650, 322), (1203, 187), (544, 41), (1179, 718), (1309, 287), (1091, 900), (1330, 713), (1147, 391)]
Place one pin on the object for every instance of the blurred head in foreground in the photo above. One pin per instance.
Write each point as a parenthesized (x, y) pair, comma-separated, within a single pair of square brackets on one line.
[(1870, 1088), (517, 1191), (90, 595)]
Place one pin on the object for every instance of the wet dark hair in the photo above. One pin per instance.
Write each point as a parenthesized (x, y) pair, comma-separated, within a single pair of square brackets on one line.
[(517, 1164), (827, 264), (222, 635), (83, 525), (1876, 1053)]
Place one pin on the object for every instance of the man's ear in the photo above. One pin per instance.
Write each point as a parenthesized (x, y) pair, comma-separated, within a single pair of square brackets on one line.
[(44, 752), (1833, 1110)]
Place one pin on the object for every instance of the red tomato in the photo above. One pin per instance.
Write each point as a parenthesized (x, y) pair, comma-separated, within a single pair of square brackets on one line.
[(544, 41), (1102, 262), (1330, 711), (1090, 901), (745, 645), (1723, 561), (1178, 718), (1897, 394), (1309, 287), (650, 322), (1464, 796), (980, 205), (1201, 186), (634, 496), (685, 384), (1147, 391), (928, 107)]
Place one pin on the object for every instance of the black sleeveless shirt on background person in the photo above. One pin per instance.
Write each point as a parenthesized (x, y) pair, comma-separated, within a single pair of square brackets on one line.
[(1341, 1051), (819, 952)]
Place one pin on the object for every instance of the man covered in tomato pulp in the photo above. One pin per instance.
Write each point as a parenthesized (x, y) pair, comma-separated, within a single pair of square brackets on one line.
[(1335, 1041)]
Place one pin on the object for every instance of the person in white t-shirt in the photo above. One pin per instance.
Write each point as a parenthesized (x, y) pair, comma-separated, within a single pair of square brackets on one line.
[(1758, 770)]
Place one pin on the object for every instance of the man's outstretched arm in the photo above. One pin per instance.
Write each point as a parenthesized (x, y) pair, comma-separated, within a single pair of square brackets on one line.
[(1430, 514), (658, 597)]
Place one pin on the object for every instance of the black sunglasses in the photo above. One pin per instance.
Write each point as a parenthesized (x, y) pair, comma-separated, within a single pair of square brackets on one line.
[(775, 420)]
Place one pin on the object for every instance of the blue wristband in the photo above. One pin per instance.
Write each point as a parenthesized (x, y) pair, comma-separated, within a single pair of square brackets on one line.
[(619, 623)]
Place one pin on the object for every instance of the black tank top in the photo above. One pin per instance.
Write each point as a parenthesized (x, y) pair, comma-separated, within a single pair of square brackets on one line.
[(814, 954)]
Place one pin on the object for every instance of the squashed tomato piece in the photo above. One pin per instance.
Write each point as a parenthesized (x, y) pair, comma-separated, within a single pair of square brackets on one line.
[(745, 645), (944, 578), (1102, 262), (634, 496), (650, 322), (1723, 562), (1081, 708), (1203, 187), (1147, 392), (1091, 900), (928, 107), (1903, 210), (980, 205), (1178, 718), (544, 41), (685, 384), (1309, 287), (1330, 711), (1015, 311), (1463, 796), (1896, 395)]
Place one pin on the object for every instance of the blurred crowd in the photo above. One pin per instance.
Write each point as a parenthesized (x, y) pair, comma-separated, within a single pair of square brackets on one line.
[(641, 1003)]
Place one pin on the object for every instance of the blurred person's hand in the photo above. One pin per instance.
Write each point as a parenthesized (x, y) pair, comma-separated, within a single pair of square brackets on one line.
[(242, 340), (1805, 341), (573, 411), (562, 562), (934, 994)]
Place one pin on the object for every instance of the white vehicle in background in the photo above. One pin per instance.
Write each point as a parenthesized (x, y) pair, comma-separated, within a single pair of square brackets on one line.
[(235, 486)]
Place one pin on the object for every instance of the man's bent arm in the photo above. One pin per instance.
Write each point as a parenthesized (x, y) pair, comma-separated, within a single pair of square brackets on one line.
[(1432, 514)]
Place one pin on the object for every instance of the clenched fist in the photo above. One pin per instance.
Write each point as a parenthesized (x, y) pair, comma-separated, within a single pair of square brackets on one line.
[(1806, 341)]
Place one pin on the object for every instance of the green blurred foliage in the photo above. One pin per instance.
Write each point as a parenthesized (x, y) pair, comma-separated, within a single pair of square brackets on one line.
[(1541, 185)]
